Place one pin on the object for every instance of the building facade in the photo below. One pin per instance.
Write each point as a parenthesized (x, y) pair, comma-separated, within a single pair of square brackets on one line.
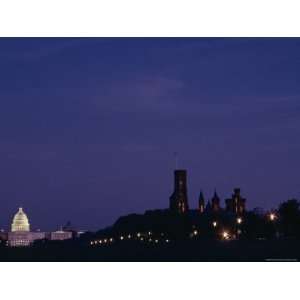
[(236, 204), (60, 235)]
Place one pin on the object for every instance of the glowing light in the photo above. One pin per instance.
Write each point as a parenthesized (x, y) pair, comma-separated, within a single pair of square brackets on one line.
[(141, 239), (100, 242), (225, 235), (156, 241), (149, 232), (111, 239), (121, 238), (150, 240), (138, 234), (167, 241), (272, 216), (92, 243), (20, 221), (239, 220), (96, 242), (214, 223), (195, 232), (105, 240)]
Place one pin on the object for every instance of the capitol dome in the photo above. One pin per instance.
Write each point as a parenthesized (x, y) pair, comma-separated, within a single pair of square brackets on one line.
[(20, 222)]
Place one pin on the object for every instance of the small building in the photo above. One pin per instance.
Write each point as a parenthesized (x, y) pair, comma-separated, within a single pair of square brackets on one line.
[(61, 235)]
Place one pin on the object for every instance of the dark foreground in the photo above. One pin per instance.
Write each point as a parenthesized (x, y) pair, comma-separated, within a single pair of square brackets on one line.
[(193, 251)]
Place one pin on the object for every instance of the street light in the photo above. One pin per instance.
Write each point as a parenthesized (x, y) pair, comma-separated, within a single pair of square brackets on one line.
[(239, 220), (225, 235), (214, 224), (272, 216)]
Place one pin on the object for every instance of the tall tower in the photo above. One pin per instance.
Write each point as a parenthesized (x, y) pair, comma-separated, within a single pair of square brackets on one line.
[(179, 199)]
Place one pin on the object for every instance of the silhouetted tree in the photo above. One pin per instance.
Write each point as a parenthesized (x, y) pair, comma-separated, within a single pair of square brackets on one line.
[(290, 218)]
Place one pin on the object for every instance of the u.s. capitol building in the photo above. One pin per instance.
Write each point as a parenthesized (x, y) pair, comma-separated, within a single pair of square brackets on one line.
[(21, 236)]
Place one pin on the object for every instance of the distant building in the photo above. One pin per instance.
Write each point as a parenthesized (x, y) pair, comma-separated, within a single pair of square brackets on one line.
[(201, 203), (179, 199), (236, 204), (21, 239), (61, 235), (215, 202), (20, 234)]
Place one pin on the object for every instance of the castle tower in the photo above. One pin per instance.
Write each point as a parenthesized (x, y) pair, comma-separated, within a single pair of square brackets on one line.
[(215, 202), (179, 199), (201, 203), (236, 204)]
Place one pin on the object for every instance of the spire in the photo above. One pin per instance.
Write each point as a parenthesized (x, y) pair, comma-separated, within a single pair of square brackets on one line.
[(201, 197), (215, 194), (215, 201), (201, 202)]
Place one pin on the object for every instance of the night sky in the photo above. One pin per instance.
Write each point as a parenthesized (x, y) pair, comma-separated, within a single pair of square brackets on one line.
[(89, 127)]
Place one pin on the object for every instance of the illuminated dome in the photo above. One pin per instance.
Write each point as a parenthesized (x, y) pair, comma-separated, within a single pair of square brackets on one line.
[(20, 221)]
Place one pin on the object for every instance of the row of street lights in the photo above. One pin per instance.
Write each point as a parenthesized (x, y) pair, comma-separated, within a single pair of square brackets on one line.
[(225, 234)]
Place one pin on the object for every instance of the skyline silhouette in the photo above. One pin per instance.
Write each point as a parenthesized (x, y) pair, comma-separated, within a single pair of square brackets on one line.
[(89, 126)]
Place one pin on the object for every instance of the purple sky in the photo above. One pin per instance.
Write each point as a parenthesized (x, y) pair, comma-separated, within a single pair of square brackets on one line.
[(88, 127)]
